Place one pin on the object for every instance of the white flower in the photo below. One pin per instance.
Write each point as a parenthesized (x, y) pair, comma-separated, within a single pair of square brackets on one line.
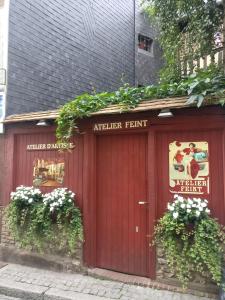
[(200, 208), (203, 204), (30, 200), (180, 199), (183, 205), (188, 210), (207, 211), (171, 208), (188, 206), (175, 215), (197, 213), (190, 201)]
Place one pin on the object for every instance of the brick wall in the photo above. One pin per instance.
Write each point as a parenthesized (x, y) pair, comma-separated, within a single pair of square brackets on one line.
[(59, 49)]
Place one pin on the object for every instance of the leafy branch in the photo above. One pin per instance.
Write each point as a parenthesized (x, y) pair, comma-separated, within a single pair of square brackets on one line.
[(209, 82), (187, 31)]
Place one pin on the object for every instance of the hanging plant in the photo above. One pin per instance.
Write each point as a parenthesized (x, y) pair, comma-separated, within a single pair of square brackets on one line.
[(45, 223), (191, 240), (196, 86)]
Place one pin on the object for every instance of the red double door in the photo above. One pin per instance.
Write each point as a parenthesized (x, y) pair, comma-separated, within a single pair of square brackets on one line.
[(121, 214)]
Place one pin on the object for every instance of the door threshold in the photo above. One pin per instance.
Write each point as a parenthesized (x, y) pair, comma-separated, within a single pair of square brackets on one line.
[(144, 282), (122, 277)]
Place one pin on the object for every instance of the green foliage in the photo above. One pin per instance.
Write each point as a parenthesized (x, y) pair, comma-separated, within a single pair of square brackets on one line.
[(187, 30), (197, 86), (191, 240), (205, 82), (45, 223)]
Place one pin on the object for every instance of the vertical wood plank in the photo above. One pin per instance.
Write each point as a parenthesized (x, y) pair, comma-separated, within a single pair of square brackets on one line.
[(89, 202), (9, 174), (152, 199)]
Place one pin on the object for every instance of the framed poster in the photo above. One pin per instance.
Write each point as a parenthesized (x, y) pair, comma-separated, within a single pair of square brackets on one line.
[(189, 167), (48, 172)]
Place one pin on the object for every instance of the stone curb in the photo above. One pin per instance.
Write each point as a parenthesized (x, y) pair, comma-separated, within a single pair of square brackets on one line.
[(22, 290), (57, 294), (26, 291)]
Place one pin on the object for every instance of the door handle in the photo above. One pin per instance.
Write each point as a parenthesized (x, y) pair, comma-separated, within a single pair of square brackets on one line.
[(142, 202)]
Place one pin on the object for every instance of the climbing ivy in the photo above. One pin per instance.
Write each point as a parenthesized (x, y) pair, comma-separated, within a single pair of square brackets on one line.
[(187, 31), (197, 86)]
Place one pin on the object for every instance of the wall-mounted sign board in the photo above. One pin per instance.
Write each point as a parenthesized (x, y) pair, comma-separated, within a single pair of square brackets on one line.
[(189, 167), (48, 172), (120, 125), (59, 146)]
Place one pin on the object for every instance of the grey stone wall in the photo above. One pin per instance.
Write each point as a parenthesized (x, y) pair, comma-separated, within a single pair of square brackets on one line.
[(59, 49), (166, 276), (147, 64)]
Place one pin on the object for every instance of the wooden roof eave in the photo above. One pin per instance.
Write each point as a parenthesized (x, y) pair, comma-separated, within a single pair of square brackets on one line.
[(154, 104)]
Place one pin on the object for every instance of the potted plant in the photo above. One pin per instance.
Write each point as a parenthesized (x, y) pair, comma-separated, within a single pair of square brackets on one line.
[(191, 239)]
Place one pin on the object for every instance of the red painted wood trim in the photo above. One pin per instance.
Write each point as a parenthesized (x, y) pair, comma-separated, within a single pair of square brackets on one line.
[(152, 200), (9, 154), (89, 199), (223, 166)]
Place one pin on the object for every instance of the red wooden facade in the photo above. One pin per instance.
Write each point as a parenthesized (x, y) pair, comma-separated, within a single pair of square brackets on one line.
[(121, 177)]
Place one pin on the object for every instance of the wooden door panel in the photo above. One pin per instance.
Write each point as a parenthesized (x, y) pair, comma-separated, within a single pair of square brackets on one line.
[(121, 221)]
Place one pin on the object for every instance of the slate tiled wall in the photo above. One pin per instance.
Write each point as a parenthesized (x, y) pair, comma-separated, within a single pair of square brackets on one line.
[(61, 48), (147, 65)]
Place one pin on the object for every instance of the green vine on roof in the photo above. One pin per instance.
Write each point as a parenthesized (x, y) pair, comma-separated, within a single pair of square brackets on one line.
[(197, 86)]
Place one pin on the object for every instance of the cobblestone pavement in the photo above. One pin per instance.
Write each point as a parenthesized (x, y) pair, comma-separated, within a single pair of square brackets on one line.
[(54, 285), (2, 297)]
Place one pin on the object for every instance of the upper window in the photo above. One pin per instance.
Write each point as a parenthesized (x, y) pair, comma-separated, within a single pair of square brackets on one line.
[(145, 43)]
